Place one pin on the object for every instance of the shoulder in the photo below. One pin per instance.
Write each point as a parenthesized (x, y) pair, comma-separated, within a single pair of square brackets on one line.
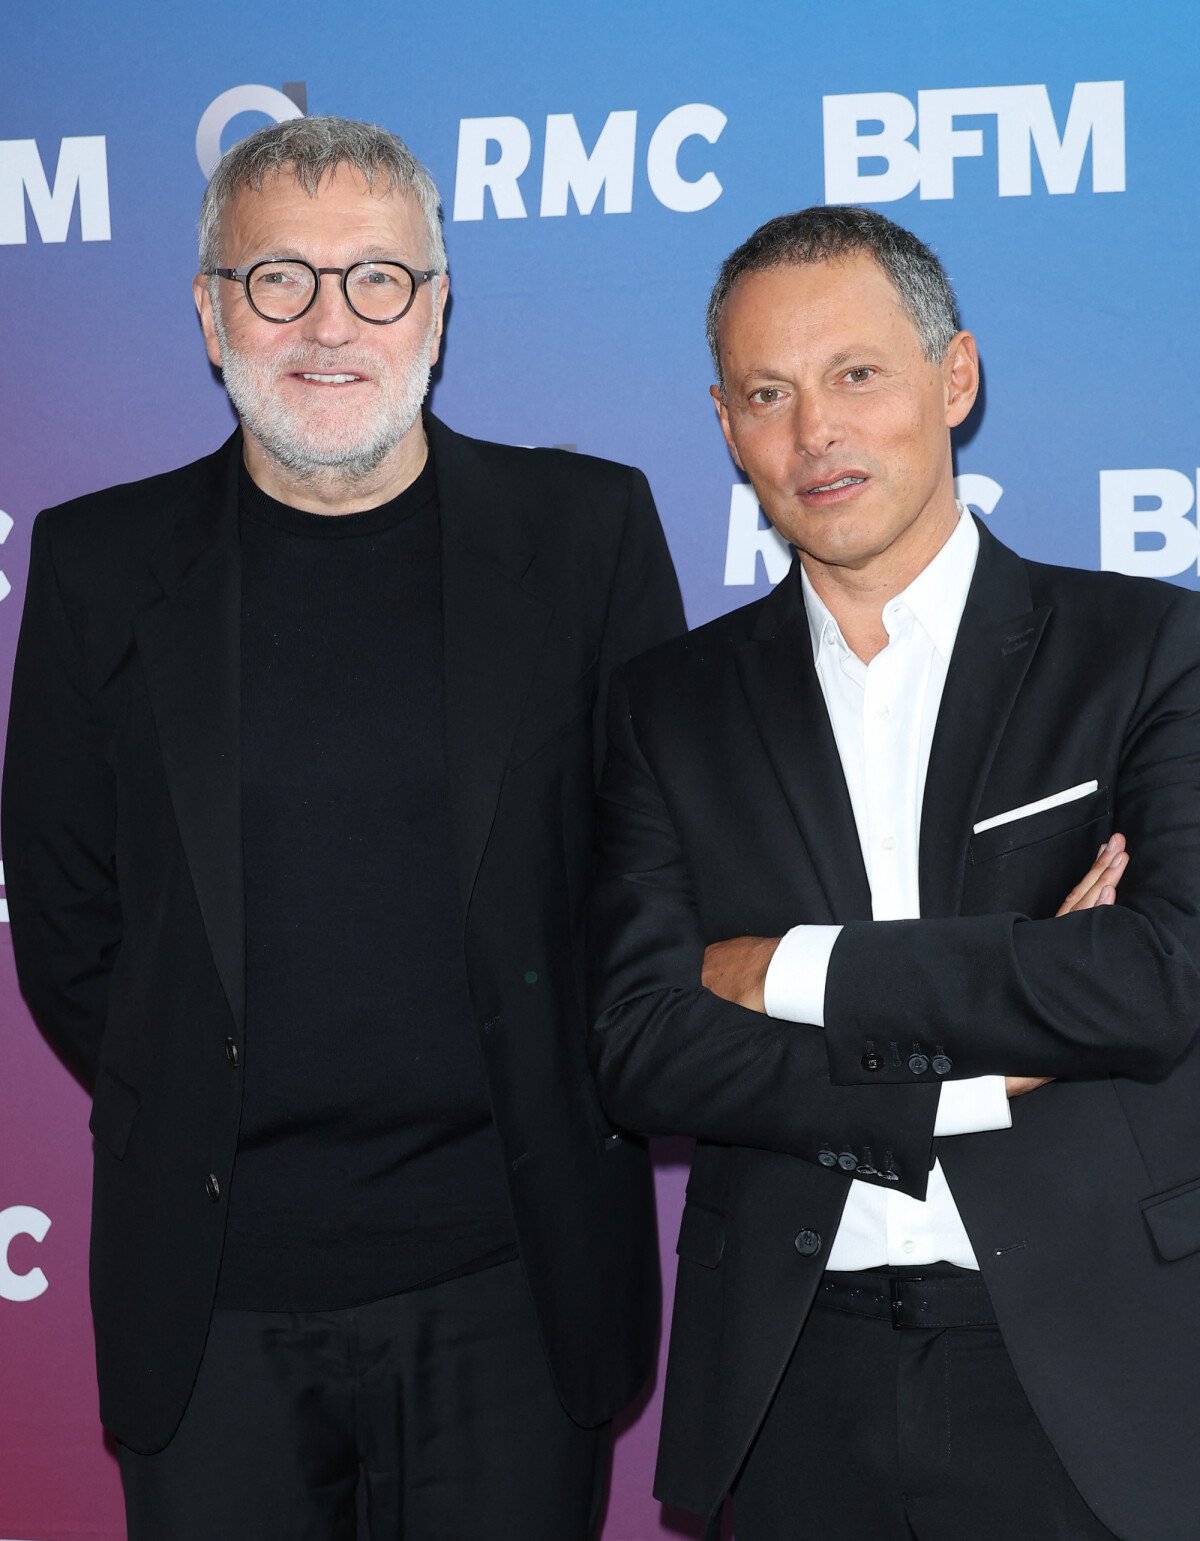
[(547, 484), (526, 461), (1116, 605), (127, 519), (691, 662)]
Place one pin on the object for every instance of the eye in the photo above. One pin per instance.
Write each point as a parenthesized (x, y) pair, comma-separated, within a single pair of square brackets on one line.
[(860, 374), (281, 278), (376, 278), (766, 395)]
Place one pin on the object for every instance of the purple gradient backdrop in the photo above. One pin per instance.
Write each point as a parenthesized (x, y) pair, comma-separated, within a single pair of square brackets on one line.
[(583, 330)]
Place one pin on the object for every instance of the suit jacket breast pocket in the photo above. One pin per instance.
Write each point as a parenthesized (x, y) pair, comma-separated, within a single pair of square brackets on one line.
[(1173, 1219), (1003, 839)]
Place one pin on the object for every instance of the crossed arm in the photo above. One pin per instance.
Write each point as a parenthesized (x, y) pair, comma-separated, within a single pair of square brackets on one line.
[(1097, 989), (736, 969)]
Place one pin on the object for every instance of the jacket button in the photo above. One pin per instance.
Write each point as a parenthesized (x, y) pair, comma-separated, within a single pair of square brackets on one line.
[(918, 1064), (808, 1243), (872, 1061), (231, 1051), (827, 1157), (942, 1064), (212, 1187), (848, 1161)]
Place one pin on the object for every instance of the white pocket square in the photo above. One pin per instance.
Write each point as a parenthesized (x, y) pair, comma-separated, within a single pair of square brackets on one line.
[(1068, 795)]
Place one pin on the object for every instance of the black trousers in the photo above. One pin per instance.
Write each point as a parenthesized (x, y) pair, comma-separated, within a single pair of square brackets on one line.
[(429, 1416), (886, 1428)]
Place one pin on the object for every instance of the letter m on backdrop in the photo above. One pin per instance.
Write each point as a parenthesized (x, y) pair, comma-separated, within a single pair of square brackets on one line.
[(81, 175)]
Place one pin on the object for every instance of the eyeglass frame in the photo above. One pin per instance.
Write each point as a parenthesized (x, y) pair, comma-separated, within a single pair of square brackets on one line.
[(419, 276)]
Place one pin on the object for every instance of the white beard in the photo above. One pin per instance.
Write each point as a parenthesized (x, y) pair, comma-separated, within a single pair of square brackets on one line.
[(309, 450)]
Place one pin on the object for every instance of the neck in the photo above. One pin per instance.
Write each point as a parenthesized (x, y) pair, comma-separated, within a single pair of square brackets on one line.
[(857, 596), (328, 489)]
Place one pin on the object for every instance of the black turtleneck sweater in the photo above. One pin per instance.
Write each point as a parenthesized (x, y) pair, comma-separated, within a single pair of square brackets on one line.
[(368, 1162)]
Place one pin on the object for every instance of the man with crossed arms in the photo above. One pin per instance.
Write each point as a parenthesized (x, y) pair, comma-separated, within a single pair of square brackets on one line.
[(911, 1301)]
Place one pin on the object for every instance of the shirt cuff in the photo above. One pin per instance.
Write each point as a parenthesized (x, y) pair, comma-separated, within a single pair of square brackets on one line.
[(794, 988), (967, 1107)]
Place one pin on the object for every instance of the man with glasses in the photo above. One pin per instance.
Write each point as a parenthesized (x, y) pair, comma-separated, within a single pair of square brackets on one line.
[(297, 823)]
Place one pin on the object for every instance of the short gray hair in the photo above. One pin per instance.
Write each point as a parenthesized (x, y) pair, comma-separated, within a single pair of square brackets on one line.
[(308, 148), (829, 232)]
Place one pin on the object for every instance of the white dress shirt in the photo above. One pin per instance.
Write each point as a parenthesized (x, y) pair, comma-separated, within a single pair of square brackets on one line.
[(883, 715)]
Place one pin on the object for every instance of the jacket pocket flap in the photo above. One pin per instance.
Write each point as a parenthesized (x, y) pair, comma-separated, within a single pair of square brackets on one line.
[(114, 1108), (1003, 838), (1174, 1220), (701, 1236)]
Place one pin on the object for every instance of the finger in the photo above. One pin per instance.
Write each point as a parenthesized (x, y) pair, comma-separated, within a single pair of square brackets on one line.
[(1090, 878), (1111, 860), (1107, 880)]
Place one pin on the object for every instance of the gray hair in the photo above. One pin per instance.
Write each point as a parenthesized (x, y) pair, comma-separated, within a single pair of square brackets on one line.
[(308, 148), (828, 232)]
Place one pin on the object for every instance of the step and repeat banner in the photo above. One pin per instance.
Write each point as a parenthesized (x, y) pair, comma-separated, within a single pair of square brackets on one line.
[(596, 163)]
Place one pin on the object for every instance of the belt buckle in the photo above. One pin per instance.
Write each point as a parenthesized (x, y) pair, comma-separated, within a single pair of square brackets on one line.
[(897, 1300)]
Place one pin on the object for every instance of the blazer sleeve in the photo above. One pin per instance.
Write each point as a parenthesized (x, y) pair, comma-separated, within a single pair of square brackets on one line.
[(1113, 990), (59, 817), (670, 1057)]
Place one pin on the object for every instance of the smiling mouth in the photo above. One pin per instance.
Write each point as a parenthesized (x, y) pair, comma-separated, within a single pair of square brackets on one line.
[(842, 481), (332, 379)]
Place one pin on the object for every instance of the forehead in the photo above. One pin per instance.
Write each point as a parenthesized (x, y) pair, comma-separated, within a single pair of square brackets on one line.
[(810, 304), (343, 216)]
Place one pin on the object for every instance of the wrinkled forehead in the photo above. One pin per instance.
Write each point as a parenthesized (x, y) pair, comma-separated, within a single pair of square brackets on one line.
[(340, 212)]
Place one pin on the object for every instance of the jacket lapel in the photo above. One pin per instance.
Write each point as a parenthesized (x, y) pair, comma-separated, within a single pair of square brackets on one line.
[(997, 639), (784, 695), (494, 625), (189, 642)]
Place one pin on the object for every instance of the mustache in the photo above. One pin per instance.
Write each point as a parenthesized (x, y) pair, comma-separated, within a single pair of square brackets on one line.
[(335, 361)]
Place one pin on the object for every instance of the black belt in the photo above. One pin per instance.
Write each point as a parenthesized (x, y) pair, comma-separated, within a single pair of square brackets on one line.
[(910, 1299)]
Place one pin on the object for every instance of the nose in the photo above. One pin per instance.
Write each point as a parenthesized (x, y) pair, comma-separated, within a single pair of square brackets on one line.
[(330, 323), (814, 422)]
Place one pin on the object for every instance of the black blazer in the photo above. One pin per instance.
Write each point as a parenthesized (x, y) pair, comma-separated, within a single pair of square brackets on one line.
[(725, 812), (121, 828)]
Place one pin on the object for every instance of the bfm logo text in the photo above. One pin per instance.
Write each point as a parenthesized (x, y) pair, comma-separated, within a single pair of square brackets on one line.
[(81, 175), (919, 145), (1146, 523)]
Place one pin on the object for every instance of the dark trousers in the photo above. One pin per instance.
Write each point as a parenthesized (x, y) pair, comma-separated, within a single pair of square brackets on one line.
[(429, 1416), (888, 1428)]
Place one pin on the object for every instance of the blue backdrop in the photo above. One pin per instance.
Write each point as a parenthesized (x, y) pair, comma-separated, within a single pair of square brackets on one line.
[(596, 163)]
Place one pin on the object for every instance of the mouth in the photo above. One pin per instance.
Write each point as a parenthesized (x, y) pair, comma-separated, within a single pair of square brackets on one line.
[(835, 489), (329, 379)]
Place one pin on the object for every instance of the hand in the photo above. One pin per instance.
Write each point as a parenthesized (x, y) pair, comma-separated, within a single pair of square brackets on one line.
[(1099, 885), (1018, 1085), (737, 970)]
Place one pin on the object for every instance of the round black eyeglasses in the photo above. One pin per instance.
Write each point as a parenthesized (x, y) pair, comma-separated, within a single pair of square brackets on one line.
[(285, 289)]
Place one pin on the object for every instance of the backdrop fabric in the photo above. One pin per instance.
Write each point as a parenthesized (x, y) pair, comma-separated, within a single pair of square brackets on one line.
[(596, 163)]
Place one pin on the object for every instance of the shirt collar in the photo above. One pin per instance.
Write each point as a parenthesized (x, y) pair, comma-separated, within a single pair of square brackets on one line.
[(936, 597)]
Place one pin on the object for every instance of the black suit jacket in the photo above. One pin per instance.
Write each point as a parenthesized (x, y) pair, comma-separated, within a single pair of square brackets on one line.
[(725, 812), (122, 846)]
